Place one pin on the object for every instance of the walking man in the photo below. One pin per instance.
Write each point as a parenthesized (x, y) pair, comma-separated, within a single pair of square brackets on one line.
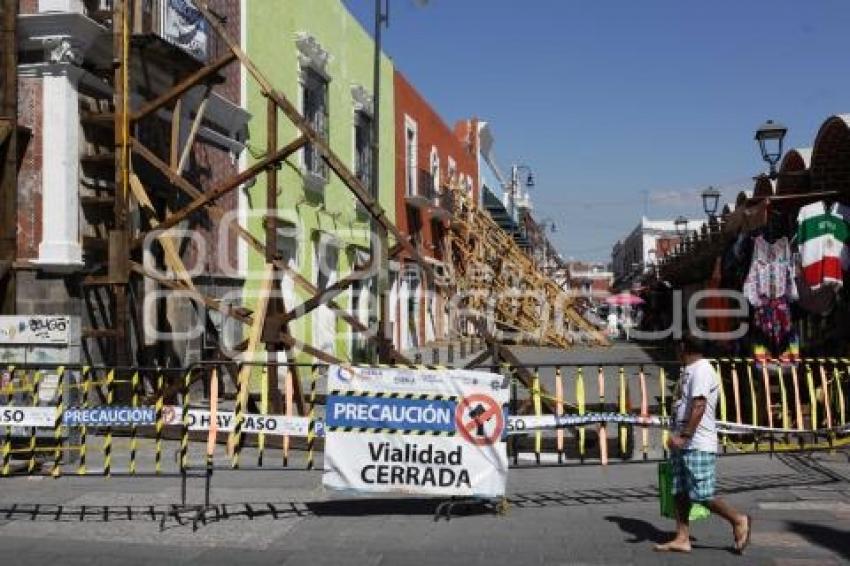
[(693, 450)]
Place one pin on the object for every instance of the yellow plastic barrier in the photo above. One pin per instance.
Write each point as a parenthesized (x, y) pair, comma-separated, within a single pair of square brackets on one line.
[(538, 411), (603, 429), (581, 406)]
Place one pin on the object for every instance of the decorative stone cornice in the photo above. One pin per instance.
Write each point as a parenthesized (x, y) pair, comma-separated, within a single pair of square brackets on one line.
[(63, 37), (311, 54), (363, 99), (62, 50)]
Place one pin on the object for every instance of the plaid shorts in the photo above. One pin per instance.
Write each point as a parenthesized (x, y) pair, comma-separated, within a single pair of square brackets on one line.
[(693, 473)]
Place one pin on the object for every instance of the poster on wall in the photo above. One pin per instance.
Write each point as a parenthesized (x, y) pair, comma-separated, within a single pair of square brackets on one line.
[(34, 329), (185, 27), (412, 431)]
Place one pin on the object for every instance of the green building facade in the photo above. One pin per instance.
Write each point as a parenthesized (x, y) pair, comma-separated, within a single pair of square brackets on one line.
[(321, 58)]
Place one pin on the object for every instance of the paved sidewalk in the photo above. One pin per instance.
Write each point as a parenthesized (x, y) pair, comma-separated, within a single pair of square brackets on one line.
[(557, 515)]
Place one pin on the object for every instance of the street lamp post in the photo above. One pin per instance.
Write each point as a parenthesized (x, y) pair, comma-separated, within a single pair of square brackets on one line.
[(379, 240), (710, 201), (770, 136)]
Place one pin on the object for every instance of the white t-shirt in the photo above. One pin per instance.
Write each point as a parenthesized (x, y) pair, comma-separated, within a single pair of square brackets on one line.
[(699, 380)]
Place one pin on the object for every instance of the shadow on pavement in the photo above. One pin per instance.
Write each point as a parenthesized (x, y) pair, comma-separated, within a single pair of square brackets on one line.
[(836, 540), (361, 507), (645, 532), (807, 472), (641, 531)]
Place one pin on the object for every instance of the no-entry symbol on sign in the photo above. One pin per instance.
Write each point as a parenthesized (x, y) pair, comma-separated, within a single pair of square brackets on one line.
[(479, 420)]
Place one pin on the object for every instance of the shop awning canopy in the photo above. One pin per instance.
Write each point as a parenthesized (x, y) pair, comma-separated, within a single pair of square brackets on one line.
[(624, 299)]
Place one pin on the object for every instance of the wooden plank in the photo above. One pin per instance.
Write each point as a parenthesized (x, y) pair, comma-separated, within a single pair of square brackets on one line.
[(193, 133), (200, 76), (176, 118), (169, 246), (244, 375)]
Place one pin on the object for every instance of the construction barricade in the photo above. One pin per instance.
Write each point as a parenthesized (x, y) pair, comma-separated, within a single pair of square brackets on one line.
[(619, 413), (86, 421)]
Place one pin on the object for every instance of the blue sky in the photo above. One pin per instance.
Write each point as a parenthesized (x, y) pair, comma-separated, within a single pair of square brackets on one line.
[(614, 103)]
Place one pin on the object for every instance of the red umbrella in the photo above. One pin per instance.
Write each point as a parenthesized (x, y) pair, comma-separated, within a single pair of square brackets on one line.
[(625, 298)]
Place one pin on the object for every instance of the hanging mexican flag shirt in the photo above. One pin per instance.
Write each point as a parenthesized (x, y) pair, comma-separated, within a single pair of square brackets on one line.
[(823, 236)]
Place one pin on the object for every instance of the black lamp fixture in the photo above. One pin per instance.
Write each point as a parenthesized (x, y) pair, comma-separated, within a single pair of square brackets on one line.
[(770, 136), (681, 224), (529, 182), (710, 201)]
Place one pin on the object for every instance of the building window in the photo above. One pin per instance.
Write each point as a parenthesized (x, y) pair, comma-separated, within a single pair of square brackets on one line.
[(411, 139), (363, 148), (286, 244), (314, 96), (435, 172), (452, 172), (466, 184)]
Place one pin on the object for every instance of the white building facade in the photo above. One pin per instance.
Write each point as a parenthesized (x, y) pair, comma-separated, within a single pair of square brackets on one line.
[(650, 240)]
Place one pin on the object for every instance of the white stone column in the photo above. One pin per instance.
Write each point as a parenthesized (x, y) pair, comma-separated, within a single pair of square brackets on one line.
[(60, 242)]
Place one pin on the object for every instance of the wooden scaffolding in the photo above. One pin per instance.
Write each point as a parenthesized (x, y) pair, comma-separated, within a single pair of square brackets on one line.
[(507, 296)]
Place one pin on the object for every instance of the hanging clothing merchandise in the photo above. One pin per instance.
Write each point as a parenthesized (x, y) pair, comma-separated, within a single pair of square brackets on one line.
[(769, 287), (823, 237), (771, 274)]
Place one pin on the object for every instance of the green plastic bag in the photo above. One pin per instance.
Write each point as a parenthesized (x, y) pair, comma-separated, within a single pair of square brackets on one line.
[(668, 502)]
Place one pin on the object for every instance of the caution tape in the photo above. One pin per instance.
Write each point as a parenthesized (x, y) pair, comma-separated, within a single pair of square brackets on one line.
[(390, 430), (394, 395), (520, 424)]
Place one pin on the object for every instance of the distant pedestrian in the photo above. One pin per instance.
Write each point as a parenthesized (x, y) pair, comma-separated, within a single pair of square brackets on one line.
[(693, 450), (612, 324)]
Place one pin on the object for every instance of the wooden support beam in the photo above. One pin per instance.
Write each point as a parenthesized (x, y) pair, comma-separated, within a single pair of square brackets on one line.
[(207, 301), (6, 127), (9, 155), (218, 214), (198, 77), (202, 199), (324, 296)]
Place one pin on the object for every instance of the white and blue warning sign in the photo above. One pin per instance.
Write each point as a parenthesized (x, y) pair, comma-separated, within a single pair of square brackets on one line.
[(403, 430)]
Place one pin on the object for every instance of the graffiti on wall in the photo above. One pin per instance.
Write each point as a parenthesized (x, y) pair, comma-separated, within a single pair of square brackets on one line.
[(34, 329)]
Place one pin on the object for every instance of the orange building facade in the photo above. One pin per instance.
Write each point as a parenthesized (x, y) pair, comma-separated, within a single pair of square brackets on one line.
[(430, 156)]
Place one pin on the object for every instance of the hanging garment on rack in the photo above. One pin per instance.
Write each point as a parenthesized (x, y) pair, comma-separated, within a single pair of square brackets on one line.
[(823, 235), (771, 274), (770, 287), (773, 318)]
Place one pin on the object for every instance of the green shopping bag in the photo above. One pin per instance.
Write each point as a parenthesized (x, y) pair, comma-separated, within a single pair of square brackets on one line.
[(668, 502)]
